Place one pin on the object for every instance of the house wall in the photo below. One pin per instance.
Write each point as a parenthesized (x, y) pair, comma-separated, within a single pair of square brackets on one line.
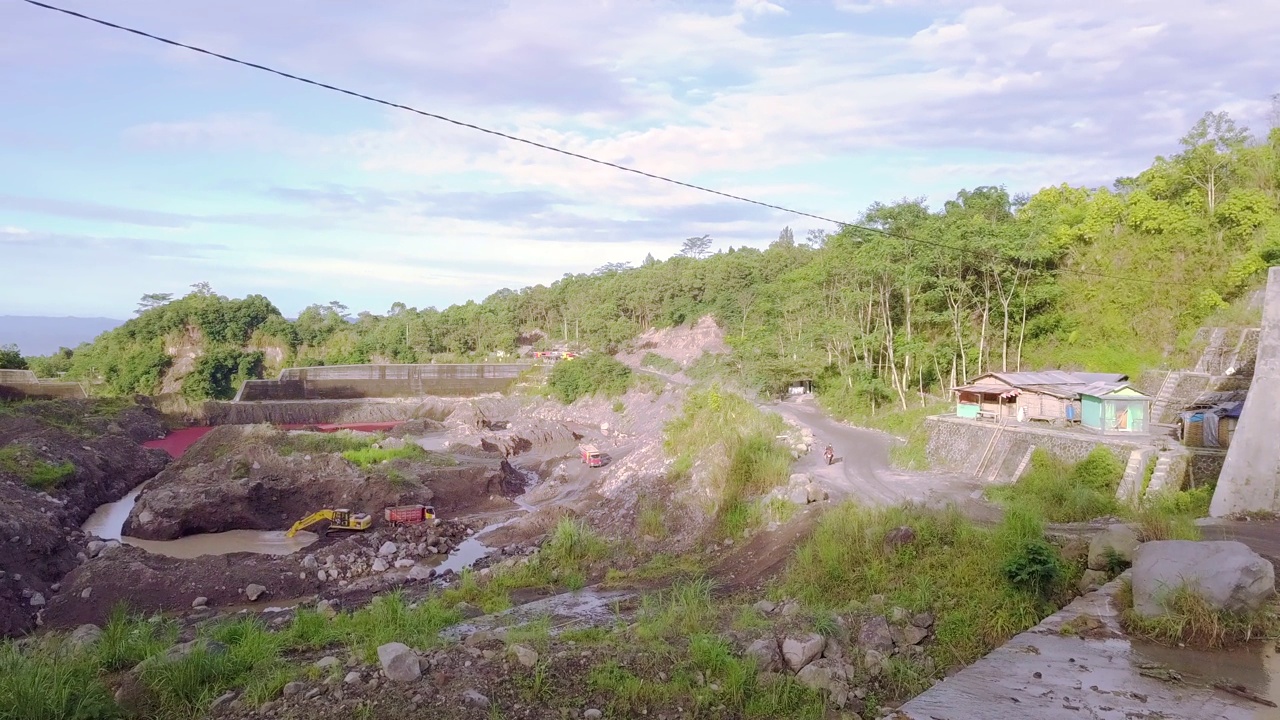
[(1091, 412), (1041, 406)]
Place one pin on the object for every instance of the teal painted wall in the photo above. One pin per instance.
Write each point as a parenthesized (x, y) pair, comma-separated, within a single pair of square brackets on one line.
[(967, 410), (1091, 412)]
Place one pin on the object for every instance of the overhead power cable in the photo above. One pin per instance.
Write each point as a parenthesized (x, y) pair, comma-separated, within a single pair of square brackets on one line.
[(550, 148)]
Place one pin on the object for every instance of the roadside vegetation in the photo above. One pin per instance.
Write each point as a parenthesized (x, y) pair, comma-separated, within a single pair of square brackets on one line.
[(983, 585), (1063, 492), (907, 425), (739, 446)]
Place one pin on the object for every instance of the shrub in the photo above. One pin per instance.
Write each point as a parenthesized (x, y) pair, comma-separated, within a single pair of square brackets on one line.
[(589, 375), (1035, 567), (659, 362), (1060, 492)]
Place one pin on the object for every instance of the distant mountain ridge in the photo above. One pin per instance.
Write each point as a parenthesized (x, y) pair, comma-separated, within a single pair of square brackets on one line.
[(39, 335)]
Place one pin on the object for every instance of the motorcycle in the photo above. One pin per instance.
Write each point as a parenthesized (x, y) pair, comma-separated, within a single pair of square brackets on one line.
[(830, 455)]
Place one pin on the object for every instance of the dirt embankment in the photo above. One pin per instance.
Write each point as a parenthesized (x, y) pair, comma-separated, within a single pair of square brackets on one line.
[(682, 344), (39, 527), (321, 411), (349, 565), (259, 478)]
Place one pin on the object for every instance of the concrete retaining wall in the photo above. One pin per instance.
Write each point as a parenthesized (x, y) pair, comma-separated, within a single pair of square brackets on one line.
[(317, 412), (1251, 472), (958, 445), (342, 382)]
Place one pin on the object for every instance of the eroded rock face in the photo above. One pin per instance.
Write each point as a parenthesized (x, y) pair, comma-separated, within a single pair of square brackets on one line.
[(1227, 574)]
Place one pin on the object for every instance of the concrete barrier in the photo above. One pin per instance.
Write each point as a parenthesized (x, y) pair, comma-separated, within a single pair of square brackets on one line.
[(1251, 472), (23, 385), (349, 382)]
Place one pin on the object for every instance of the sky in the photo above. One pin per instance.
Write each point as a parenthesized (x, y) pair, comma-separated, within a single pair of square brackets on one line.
[(132, 167)]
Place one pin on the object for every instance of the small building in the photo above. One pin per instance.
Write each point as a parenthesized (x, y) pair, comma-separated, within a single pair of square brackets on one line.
[(1114, 408), (1046, 395), (1209, 427)]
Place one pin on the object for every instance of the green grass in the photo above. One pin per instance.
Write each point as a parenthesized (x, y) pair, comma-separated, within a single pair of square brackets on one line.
[(633, 691), (322, 442), (953, 569), (44, 684), (659, 362), (683, 609), (367, 457), (1062, 492), (32, 471), (391, 619), (1189, 620), (652, 521)]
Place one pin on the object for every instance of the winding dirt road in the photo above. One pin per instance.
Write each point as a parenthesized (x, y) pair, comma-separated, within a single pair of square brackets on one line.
[(862, 471)]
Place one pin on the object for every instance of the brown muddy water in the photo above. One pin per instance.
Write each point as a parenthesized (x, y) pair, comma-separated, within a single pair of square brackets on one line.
[(108, 521)]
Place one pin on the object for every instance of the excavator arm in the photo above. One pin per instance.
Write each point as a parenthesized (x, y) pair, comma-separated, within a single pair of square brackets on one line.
[(310, 520)]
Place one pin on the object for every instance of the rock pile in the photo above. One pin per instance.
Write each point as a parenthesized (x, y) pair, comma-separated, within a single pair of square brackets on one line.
[(386, 549), (831, 665)]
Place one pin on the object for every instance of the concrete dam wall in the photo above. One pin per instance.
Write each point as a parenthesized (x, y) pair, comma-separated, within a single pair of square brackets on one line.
[(1250, 475), (23, 384), (350, 382)]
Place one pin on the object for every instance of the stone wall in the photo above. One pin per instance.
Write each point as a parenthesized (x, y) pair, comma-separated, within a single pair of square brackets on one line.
[(347, 382), (958, 445)]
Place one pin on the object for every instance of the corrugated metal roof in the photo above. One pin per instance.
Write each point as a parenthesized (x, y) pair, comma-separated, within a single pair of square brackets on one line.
[(1098, 389), (1057, 377)]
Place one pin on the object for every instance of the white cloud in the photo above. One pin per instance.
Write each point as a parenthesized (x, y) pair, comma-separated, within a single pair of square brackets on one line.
[(963, 93)]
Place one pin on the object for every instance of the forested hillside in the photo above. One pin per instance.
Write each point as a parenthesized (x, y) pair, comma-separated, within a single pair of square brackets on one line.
[(987, 281)]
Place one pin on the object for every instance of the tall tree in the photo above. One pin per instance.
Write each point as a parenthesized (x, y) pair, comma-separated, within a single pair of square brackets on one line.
[(152, 300), (1207, 153), (696, 247)]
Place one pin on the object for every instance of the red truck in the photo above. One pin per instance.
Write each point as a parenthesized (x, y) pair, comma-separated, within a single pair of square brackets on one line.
[(591, 456), (408, 514)]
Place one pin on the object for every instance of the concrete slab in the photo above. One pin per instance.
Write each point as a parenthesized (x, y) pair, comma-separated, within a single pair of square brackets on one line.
[(1251, 473), (1047, 674)]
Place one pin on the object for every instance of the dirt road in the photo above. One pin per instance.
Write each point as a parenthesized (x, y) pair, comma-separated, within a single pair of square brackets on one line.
[(862, 471)]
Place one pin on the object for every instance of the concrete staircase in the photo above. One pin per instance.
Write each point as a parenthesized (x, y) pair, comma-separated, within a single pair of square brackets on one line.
[(1134, 470), (1179, 389), (1161, 478)]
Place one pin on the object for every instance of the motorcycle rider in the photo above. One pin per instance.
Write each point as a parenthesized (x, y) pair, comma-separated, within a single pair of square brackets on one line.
[(830, 454)]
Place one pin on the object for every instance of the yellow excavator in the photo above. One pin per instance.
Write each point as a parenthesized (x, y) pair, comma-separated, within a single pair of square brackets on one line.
[(340, 519)]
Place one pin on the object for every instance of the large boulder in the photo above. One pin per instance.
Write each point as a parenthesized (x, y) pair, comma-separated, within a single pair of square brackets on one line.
[(1227, 574), (876, 635), (1118, 540), (799, 652), (765, 653), (828, 677), (399, 662)]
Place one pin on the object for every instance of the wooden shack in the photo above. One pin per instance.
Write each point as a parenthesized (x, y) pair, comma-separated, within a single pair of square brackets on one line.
[(1210, 427), (1114, 408), (1048, 395)]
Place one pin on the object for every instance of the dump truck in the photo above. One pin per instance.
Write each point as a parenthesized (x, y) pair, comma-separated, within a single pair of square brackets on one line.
[(408, 514), (338, 519), (592, 456)]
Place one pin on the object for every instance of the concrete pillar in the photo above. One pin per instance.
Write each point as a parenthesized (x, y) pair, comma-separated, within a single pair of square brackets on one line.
[(1251, 473)]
